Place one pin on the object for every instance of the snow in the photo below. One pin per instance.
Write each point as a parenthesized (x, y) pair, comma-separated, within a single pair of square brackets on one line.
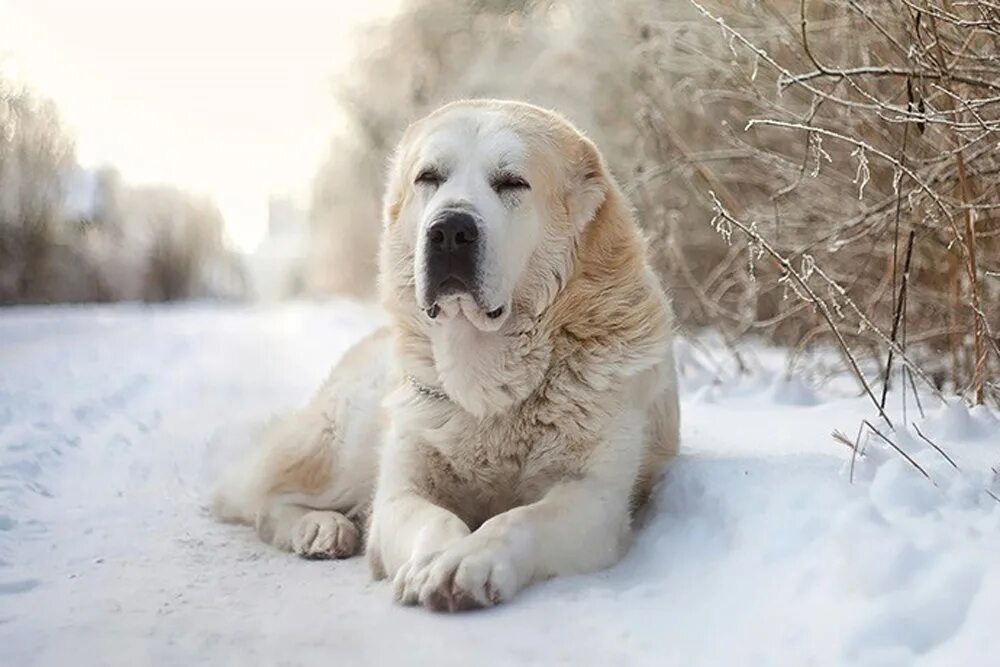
[(759, 547)]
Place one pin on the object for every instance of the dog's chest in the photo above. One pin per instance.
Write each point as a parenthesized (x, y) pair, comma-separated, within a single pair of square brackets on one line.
[(485, 467)]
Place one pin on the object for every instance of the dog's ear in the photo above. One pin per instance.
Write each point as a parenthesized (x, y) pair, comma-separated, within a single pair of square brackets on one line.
[(589, 184), (392, 201), (396, 182)]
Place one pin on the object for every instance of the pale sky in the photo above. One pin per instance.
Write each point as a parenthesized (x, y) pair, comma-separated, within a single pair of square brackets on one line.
[(226, 98)]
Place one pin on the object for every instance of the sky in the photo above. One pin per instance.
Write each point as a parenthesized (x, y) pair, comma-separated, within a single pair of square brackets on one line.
[(227, 99)]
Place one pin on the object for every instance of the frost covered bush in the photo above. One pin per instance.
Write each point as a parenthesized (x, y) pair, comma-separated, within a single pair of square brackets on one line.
[(847, 153), (809, 172)]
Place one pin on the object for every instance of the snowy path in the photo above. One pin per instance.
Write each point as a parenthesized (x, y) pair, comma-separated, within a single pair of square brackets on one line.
[(758, 550)]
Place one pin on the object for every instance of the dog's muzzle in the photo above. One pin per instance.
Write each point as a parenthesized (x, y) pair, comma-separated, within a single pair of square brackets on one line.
[(452, 252)]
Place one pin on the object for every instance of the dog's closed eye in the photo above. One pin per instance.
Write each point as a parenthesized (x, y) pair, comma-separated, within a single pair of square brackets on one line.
[(429, 176), (508, 182)]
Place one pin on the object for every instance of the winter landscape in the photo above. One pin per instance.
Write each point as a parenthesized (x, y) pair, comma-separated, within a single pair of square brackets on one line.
[(190, 204)]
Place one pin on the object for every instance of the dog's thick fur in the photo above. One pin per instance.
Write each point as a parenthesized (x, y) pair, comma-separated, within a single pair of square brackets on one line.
[(489, 454)]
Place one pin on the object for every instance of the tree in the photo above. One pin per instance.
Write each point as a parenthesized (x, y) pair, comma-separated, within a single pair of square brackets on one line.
[(35, 153)]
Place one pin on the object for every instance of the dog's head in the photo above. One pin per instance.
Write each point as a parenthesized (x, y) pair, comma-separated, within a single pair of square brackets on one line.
[(485, 201)]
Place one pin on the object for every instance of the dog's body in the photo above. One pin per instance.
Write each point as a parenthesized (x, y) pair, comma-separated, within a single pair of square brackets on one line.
[(521, 403)]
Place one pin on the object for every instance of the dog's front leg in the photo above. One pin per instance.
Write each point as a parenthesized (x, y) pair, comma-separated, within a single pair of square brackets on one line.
[(578, 526), (407, 529)]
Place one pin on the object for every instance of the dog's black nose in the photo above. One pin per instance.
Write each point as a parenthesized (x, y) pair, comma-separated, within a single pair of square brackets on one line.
[(452, 255), (455, 232)]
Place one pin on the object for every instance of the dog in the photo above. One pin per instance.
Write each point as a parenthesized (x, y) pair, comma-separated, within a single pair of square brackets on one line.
[(510, 422)]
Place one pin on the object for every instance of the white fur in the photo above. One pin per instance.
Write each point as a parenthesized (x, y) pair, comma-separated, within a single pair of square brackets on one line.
[(469, 154)]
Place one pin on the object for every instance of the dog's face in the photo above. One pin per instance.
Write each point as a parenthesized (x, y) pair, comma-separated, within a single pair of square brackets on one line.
[(483, 205)]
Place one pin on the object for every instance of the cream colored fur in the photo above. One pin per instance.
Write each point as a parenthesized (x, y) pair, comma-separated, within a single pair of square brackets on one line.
[(559, 416)]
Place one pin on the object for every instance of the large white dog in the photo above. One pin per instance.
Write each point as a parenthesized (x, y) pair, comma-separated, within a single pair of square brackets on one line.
[(513, 417)]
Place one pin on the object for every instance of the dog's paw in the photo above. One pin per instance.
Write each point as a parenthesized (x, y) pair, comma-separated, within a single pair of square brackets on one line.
[(325, 535), (470, 574)]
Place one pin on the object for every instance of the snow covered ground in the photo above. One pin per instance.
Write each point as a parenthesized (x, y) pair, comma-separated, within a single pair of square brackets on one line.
[(759, 549)]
